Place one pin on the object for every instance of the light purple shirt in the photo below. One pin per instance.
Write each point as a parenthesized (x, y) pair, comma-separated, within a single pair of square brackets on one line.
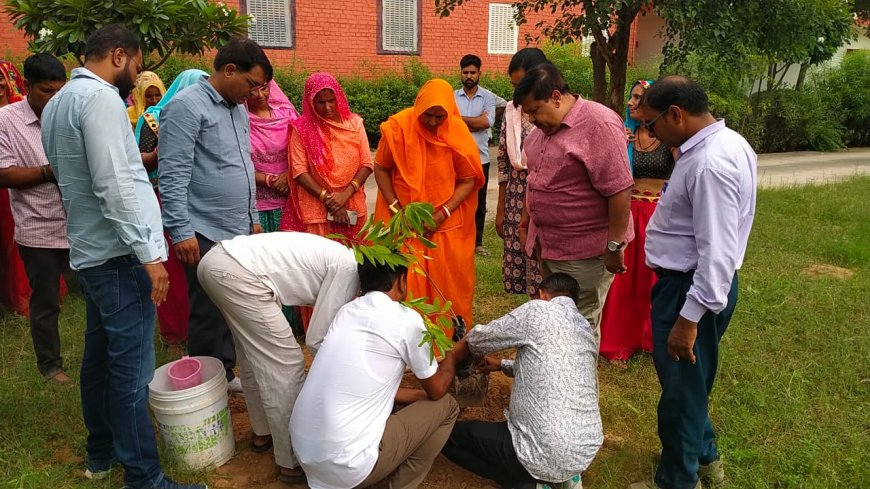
[(703, 219)]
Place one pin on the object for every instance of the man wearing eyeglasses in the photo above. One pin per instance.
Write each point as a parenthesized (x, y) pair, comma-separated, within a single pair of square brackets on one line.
[(207, 182), (696, 241), (577, 218)]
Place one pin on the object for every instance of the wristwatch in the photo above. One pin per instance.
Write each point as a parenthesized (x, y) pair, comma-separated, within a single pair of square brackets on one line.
[(614, 246)]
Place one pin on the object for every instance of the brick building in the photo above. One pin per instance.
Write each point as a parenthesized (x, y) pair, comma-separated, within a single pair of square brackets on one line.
[(356, 36)]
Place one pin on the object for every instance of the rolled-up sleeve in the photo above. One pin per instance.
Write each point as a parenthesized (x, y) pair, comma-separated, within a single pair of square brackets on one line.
[(715, 197), (179, 127), (489, 108), (112, 175)]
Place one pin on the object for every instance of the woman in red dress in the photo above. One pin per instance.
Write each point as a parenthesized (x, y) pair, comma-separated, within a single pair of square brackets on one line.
[(626, 326)]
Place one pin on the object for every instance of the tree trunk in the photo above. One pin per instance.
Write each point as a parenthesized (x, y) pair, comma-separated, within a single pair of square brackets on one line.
[(620, 42), (599, 74), (802, 76)]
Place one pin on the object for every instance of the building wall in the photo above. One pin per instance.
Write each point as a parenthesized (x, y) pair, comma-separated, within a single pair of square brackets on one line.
[(648, 42), (340, 36), (12, 41)]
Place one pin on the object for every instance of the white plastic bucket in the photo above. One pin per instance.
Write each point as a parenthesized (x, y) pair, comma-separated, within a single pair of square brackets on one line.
[(194, 423)]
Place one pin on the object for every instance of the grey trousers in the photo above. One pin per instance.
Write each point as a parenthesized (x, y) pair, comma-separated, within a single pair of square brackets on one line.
[(271, 362), (594, 282)]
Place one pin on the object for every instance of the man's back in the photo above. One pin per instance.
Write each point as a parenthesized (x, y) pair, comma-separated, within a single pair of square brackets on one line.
[(339, 417), (553, 415), (206, 175)]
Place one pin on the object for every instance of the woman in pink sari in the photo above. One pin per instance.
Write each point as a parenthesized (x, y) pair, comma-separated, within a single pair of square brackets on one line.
[(270, 113), (330, 160)]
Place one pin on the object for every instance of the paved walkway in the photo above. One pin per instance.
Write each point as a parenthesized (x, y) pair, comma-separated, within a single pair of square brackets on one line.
[(774, 170)]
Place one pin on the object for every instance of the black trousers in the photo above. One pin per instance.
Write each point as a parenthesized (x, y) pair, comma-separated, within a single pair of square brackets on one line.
[(44, 267), (208, 333), (480, 215), (486, 448), (684, 425)]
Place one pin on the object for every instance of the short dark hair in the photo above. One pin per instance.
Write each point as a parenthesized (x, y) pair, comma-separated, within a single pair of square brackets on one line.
[(540, 82), (245, 54), (378, 278), (43, 67), (469, 59), (109, 38), (683, 92), (526, 59), (561, 284)]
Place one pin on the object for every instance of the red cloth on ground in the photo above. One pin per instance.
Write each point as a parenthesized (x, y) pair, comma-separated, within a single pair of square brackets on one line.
[(626, 326)]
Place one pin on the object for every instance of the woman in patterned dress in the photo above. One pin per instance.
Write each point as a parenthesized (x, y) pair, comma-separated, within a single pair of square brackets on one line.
[(521, 273)]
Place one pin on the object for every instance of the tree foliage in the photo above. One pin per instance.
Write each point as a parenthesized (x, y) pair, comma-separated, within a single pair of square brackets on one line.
[(607, 22), (777, 34), (164, 26), (391, 244)]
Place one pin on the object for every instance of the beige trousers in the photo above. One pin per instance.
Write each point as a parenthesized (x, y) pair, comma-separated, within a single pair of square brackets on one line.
[(594, 282), (270, 359), (412, 439)]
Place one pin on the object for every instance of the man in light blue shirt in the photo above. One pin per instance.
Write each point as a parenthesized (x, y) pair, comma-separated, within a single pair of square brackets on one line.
[(117, 249), (695, 242), (207, 183), (477, 106)]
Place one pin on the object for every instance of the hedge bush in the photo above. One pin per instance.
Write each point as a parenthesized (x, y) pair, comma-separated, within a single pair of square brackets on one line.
[(832, 112)]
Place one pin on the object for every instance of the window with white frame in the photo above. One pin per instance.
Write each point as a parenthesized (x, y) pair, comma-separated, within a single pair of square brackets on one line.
[(503, 31), (273, 24), (400, 26)]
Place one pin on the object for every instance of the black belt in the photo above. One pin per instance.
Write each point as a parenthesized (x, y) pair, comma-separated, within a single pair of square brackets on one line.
[(664, 272)]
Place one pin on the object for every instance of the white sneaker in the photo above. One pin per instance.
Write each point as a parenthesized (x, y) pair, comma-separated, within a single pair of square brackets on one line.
[(572, 483), (235, 386), (99, 475)]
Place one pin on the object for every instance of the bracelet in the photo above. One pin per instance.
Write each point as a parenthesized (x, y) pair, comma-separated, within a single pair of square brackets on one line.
[(392, 206), (446, 210), (355, 185), (43, 170), (270, 180), (322, 195)]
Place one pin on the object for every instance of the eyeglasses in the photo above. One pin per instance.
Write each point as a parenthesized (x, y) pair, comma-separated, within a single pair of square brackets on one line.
[(649, 125), (254, 86), (139, 67)]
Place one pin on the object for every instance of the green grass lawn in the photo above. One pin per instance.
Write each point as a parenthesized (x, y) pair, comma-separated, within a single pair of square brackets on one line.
[(791, 404)]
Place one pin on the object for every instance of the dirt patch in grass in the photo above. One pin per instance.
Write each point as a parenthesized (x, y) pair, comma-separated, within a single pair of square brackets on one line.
[(821, 270)]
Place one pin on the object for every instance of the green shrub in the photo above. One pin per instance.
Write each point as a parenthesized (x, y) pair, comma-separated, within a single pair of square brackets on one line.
[(847, 87), (795, 121), (376, 100), (575, 68), (176, 64)]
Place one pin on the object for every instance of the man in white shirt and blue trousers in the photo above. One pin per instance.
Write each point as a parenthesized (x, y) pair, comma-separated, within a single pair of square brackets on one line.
[(696, 241), (477, 106)]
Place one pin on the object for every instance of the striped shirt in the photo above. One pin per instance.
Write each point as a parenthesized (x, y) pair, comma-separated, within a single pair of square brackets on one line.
[(40, 220)]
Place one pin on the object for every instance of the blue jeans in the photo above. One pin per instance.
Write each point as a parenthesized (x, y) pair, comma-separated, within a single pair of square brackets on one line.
[(685, 430), (117, 365)]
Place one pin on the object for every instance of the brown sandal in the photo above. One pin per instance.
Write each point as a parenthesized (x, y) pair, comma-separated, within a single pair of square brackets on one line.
[(261, 448)]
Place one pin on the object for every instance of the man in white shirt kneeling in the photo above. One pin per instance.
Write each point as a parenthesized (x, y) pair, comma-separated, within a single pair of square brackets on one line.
[(341, 427)]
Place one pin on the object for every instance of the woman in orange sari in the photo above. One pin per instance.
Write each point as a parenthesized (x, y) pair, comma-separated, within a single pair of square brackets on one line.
[(330, 160), (427, 154)]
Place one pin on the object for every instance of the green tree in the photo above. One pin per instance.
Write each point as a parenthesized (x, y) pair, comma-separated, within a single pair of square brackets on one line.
[(777, 34), (165, 26), (608, 22)]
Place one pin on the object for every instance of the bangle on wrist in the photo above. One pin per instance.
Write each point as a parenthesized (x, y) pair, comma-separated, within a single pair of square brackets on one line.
[(446, 210), (44, 172), (393, 206), (322, 195), (355, 185)]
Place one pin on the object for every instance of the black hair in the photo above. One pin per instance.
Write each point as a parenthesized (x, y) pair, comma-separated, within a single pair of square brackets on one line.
[(540, 82), (43, 67), (527, 58), (245, 54), (561, 284), (683, 92), (378, 278), (470, 59), (109, 38)]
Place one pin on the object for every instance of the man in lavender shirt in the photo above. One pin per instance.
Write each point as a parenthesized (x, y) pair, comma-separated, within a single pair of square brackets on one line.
[(577, 214), (696, 241)]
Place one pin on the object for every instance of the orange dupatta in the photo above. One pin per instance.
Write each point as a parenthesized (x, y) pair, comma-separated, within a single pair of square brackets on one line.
[(425, 168)]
